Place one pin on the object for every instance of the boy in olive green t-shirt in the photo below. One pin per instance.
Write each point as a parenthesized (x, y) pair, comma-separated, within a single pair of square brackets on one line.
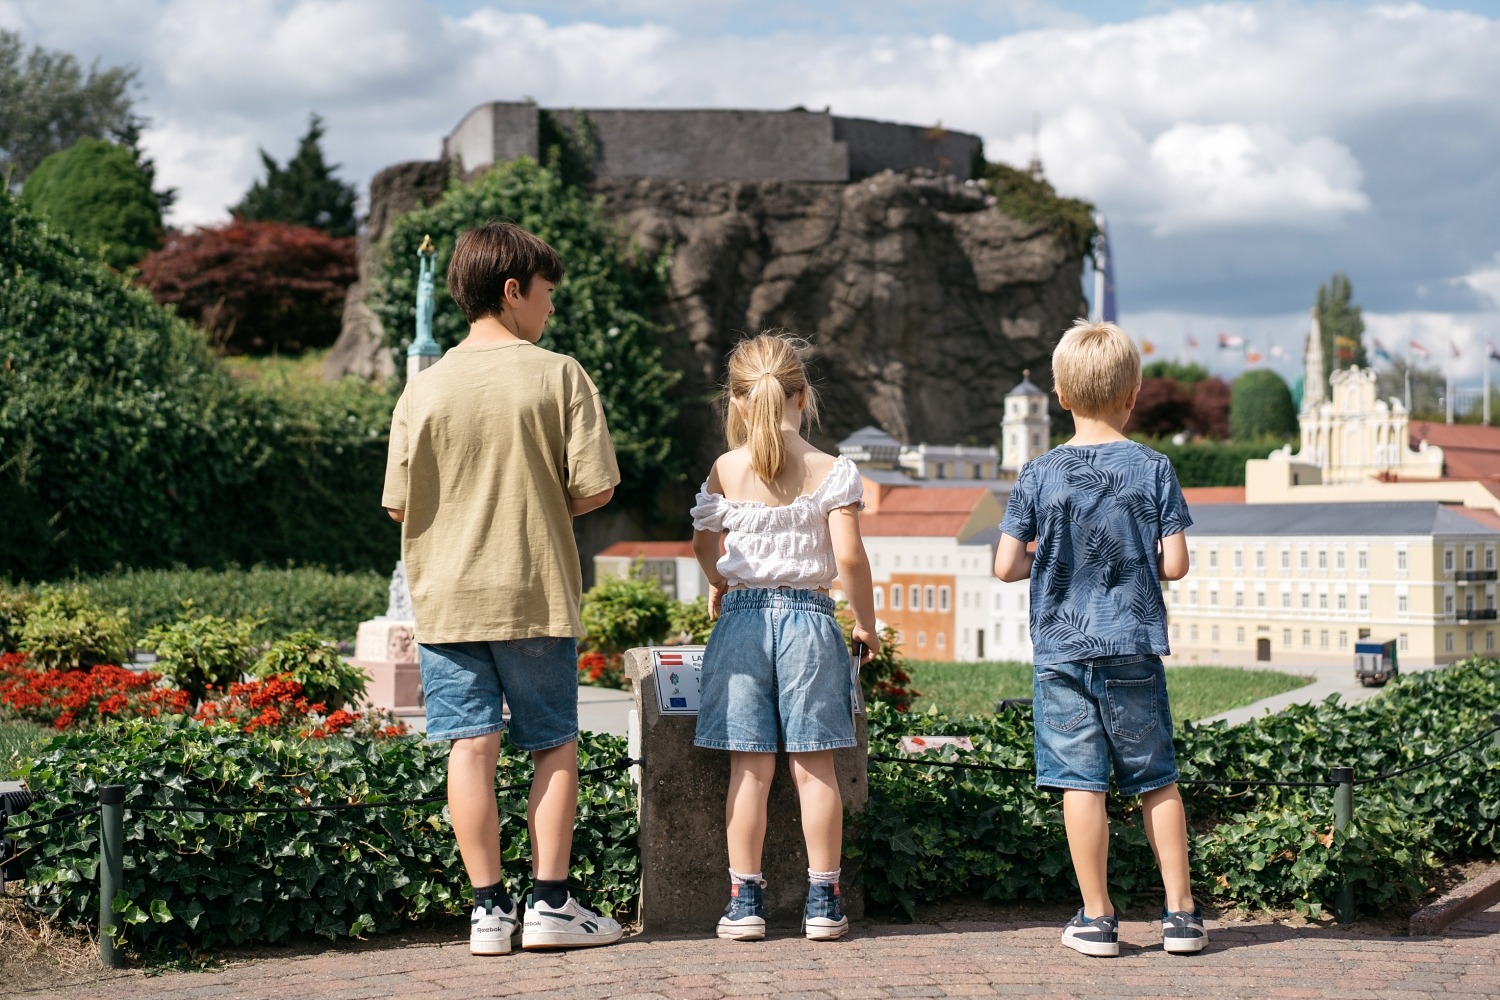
[(493, 451)]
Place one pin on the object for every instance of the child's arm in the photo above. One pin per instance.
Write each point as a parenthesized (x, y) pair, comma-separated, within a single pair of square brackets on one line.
[(1012, 560), (854, 574), (396, 515), (1173, 564), (707, 547), (582, 505)]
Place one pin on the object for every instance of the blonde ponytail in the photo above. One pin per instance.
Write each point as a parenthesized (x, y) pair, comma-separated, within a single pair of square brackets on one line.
[(764, 372)]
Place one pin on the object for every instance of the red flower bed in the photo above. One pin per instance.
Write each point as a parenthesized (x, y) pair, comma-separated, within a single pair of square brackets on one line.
[(278, 703), (65, 698), (602, 671)]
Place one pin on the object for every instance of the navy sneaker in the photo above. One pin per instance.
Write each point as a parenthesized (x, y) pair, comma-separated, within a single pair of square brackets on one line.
[(1182, 932), (744, 918), (824, 919), (1097, 936)]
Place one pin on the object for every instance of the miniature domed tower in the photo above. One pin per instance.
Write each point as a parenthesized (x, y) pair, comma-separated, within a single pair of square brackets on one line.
[(1027, 429)]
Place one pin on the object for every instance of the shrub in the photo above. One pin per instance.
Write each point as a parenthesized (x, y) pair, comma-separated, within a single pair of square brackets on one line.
[(279, 703), (313, 662), (96, 192), (206, 880), (688, 621), (884, 679), (256, 287), (283, 599), (65, 630), (202, 651), (66, 698), (14, 606), (1260, 405), (622, 612)]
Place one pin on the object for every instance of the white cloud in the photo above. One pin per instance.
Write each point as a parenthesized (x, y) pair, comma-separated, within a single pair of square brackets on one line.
[(1469, 334), (1485, 282)]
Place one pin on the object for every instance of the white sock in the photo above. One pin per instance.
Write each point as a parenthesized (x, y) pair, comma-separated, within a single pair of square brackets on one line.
[(755, 879), (824, 878)]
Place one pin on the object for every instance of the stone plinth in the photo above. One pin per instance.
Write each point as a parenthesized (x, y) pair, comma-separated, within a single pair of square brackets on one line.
[(387, 651), (684, 860)]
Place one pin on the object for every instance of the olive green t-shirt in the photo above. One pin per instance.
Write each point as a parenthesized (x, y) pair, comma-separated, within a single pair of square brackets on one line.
[(487, 446)]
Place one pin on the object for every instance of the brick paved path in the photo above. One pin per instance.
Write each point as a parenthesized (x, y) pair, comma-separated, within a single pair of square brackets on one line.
[(955, 959)]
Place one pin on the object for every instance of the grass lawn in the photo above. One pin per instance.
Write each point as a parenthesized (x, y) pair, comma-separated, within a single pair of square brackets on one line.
[(16, 740), (1196, 692)]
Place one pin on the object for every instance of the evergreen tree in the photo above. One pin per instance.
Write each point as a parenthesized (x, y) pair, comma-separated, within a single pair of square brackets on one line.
[(1342, 326), (304, 192), (1260, 405), (96, 193)]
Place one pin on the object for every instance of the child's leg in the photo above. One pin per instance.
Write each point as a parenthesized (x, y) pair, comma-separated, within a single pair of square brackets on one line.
[(471, 803), (822, 808), (750, 776), (1166, 829), (1087, 824), (552, 810)]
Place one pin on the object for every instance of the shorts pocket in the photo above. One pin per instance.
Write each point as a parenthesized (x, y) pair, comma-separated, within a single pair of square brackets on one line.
[(1060, 705), (1132, 707), (538, 647)]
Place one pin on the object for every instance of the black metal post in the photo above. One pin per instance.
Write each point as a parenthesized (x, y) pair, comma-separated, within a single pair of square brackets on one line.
[(1343, 815), (111, 869)]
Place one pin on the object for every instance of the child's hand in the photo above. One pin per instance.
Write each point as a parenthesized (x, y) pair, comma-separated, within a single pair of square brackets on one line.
[(716, 599), (870, 640)]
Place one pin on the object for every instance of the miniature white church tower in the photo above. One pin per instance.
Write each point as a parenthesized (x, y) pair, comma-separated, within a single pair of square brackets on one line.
[(1026, 430)]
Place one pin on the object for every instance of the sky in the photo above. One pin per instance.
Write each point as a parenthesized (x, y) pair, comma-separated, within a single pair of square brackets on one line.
[(1241, 152)]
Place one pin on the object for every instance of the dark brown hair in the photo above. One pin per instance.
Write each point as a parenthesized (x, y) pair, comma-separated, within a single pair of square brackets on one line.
[(485, 258)]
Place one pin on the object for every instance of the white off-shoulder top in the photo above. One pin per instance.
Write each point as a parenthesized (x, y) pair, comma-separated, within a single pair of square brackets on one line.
[(780, 546)]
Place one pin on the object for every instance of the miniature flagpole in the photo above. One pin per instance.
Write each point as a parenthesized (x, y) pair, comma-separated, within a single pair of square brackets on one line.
[(1488, 351), (1448, 378)]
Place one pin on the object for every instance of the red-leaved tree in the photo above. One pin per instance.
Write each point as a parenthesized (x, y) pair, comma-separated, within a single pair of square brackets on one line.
[(1211, 408), (1162, 408), (256, 287)]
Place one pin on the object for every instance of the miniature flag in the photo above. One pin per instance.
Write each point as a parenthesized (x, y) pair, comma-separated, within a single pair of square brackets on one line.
[(1380, 352), (1494, 354), (1147, 347), (1344, 348), (1277, 353), (1252, 356), (1192, 342), (1454, 348), (1417, 348), (1228, 340)]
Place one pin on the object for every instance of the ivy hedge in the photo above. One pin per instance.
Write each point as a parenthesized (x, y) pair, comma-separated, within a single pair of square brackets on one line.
[(206, 880)]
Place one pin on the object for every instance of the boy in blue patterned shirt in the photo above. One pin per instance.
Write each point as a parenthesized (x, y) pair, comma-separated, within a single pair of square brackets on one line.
[(1108, 519)]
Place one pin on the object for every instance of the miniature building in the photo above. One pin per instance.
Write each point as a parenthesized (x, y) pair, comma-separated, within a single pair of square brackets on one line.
[(671, 564), (1026, 430)]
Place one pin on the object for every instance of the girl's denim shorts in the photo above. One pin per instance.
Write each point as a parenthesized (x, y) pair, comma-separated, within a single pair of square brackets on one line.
[(1106, 713), (776, 674)]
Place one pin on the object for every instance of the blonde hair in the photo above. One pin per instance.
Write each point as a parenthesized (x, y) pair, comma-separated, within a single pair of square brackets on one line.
[(765, 372), (1096, 367)]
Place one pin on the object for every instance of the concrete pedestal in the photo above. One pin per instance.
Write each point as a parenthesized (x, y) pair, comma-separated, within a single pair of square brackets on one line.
[(387, 651), (684, 860)]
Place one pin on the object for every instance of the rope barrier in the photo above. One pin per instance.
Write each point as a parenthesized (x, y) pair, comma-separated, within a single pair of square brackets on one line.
[(1435, 758), (60, 817)]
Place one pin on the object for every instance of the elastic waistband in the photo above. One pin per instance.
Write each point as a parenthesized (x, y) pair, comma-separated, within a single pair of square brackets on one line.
[(782, 600)]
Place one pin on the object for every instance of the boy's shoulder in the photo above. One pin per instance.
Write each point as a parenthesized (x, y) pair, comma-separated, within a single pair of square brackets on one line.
[(1116, 454)]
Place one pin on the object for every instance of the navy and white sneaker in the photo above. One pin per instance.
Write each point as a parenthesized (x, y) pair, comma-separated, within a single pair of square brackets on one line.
[(1097, 936), (491, 928), (571, 925), (744, 918), (824, 919), (1182, 933)]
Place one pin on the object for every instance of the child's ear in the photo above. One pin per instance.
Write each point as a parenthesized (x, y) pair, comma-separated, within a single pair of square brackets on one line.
[(1062, 400), (511, 292)]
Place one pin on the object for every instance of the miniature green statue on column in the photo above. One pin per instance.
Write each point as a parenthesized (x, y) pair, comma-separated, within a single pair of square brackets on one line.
[(424, 350)]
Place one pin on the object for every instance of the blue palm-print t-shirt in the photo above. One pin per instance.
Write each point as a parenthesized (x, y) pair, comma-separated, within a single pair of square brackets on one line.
[(1096, 513)]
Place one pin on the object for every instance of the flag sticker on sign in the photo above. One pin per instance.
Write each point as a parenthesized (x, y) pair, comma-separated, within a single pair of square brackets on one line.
[(677, 671)]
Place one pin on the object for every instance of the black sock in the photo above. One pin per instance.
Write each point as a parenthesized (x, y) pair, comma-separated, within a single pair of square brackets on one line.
[(554, 894), (494, 894)]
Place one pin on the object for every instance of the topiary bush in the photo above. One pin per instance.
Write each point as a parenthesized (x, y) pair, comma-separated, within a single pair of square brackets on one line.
[(66, 630), (204, 880), (200, 651), (313, 661)]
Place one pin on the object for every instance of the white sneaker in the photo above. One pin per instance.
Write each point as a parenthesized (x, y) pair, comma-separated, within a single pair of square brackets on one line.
[(571, 925), (490, 930)]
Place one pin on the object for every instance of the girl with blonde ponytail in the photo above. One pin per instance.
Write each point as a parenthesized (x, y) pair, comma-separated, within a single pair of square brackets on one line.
[(775, 524)]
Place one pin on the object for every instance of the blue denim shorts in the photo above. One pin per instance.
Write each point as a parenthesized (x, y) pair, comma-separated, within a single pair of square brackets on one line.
[(1110, 711), (776, 673), (463, 684)]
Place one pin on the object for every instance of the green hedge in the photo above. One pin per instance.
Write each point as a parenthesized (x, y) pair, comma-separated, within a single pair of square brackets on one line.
[(123, 442), (210, 880), (1212, 463), (284, 600)]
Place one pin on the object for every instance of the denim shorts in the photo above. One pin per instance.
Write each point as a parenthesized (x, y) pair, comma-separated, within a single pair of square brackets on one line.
[(463, 684), (1110, 711), (776, 673)]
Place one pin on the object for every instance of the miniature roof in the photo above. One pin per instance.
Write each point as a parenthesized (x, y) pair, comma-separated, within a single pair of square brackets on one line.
[(649, 550), (1414, 517), (1026, 388), (869, 437)]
